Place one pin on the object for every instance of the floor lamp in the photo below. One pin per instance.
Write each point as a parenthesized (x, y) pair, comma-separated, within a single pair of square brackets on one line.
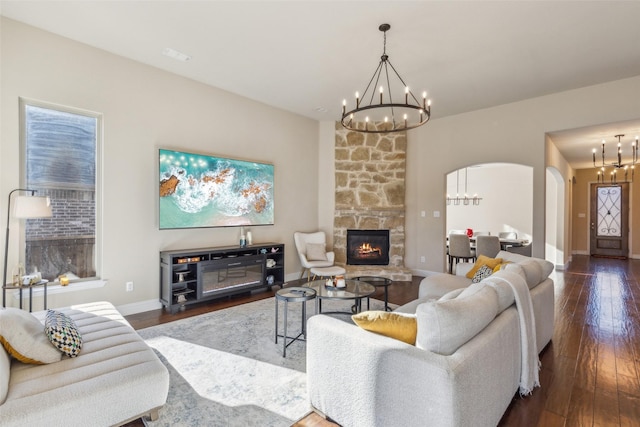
[(24, 207)]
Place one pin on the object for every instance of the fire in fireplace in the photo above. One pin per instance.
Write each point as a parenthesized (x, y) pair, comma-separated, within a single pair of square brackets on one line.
[(368, 247)]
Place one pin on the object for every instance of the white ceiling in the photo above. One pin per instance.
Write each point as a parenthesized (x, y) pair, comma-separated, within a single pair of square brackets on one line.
[(306, 56)]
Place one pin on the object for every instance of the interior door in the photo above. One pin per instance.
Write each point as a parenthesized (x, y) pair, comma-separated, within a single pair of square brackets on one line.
[(610, 219)]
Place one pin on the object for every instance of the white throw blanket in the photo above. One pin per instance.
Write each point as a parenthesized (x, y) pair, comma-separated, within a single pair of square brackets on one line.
[(529, 378)]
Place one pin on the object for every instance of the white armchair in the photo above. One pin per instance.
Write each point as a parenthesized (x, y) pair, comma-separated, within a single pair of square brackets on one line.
[(312, 250)]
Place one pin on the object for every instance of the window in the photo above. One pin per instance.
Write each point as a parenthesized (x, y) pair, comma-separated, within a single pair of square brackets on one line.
[(60, 160)]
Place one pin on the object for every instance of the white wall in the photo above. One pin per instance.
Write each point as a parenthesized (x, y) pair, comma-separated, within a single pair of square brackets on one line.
[(145, 109), (512, 133), (507, 199)]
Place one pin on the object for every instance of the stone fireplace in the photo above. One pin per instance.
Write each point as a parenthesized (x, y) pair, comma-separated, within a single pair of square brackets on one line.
[(369, 195)]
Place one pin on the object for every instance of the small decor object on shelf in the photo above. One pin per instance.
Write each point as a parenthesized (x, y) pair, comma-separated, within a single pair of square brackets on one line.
[(470, 232), (271, 263), (270, 279), (64, 280)]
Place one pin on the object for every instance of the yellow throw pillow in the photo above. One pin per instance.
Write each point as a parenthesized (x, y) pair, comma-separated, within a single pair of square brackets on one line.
[(483, 260), (500, 266), (400, 326)]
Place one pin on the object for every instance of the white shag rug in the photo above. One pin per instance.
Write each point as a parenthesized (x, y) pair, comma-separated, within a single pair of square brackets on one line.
[(226, 369)]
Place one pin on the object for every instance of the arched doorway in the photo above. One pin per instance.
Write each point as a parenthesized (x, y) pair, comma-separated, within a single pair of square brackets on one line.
[(505, 193)]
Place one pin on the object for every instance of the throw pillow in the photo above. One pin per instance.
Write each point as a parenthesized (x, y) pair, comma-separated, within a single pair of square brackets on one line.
[(399, 326), (483, 260), (63, 333), (482, 273), (501, 266), (22, 336), (444, 326), (316, 252)]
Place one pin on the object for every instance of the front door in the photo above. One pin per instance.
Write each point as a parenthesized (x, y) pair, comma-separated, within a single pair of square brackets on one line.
[(610, 219)]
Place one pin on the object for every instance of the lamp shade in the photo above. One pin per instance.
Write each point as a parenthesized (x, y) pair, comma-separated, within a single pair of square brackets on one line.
[(31, 207)]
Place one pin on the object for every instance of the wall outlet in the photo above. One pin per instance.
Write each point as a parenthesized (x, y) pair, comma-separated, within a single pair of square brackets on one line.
[(129, 286), (423, 259)]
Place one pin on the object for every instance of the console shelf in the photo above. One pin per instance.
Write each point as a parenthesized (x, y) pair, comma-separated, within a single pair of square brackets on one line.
[(195, 275)]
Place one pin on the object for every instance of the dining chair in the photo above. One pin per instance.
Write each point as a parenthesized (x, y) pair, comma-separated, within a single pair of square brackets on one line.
[(460, 248), (508, 235), (488, 246)]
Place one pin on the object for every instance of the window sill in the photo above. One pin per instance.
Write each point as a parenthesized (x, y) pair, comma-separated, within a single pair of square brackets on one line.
[(59, 289)]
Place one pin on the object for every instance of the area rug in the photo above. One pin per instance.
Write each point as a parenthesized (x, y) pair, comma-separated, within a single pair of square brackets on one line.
[(226, 369)]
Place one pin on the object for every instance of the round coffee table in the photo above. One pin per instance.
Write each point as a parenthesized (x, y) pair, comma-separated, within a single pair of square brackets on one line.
[(354, 290), (378, 282)]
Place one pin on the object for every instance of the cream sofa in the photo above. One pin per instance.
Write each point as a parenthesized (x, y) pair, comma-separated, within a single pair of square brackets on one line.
[(359, 378), (116, 377)]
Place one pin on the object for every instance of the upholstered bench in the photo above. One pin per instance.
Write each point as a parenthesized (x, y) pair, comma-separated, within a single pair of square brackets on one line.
[(114, 379)]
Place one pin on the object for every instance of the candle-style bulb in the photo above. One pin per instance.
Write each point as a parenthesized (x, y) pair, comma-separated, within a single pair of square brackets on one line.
[(381, 91)]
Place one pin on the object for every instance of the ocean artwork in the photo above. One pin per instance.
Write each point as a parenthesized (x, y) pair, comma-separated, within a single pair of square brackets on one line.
[(198, 190)]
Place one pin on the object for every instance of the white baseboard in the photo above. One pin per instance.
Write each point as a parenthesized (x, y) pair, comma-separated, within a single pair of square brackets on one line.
[(139, 307)]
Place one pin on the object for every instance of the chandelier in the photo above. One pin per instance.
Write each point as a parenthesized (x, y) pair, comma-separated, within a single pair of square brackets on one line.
[(384, 113), (475, 200), (619, 164)]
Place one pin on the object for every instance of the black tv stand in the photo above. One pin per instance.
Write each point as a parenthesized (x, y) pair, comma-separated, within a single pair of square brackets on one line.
[(195, 275)]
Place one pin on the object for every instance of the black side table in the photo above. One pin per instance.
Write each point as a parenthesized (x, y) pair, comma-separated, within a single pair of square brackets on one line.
[(293, 294), (30, 287), (378, 282)]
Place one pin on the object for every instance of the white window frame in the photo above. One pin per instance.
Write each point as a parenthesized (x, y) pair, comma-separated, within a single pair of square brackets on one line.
[(24, 102)]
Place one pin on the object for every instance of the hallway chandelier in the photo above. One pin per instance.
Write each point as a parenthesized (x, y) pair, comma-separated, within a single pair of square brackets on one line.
[(613, 176), (475, 200), (384, 114)]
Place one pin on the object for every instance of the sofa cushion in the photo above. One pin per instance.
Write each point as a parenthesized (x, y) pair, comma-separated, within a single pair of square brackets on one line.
[(22, 335), (483, 260), (436, 285), (316, 252), (529, 269), (394, 325), (63, 333), (503, 289), (546, 266), (444, 326)]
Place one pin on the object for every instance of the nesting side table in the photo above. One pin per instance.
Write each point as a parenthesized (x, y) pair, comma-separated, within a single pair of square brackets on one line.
[(21, 288), (293, 294)]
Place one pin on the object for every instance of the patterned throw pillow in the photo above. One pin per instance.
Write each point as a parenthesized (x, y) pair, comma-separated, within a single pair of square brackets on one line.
[(482, 273), (63, 333)]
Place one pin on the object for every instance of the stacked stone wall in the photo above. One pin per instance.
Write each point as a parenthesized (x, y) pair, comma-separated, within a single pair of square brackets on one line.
[(370, 187)]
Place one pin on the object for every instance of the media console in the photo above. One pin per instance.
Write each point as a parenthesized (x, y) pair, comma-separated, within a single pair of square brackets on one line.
[(196, 275)]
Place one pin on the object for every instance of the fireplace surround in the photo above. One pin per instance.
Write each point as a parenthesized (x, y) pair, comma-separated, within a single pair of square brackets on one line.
[(367, 247), (369, 195)]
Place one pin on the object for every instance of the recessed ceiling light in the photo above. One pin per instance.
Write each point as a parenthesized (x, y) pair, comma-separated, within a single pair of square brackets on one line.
[(321, 110), (178, 56)]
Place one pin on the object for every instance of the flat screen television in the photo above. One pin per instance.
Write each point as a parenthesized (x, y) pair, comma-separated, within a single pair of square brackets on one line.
[(201, 190)]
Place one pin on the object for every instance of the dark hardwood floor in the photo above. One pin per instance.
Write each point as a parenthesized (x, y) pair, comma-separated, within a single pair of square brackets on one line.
[(590, 372)]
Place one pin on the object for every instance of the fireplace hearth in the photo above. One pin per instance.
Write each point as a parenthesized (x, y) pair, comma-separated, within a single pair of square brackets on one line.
[(367, 247)]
